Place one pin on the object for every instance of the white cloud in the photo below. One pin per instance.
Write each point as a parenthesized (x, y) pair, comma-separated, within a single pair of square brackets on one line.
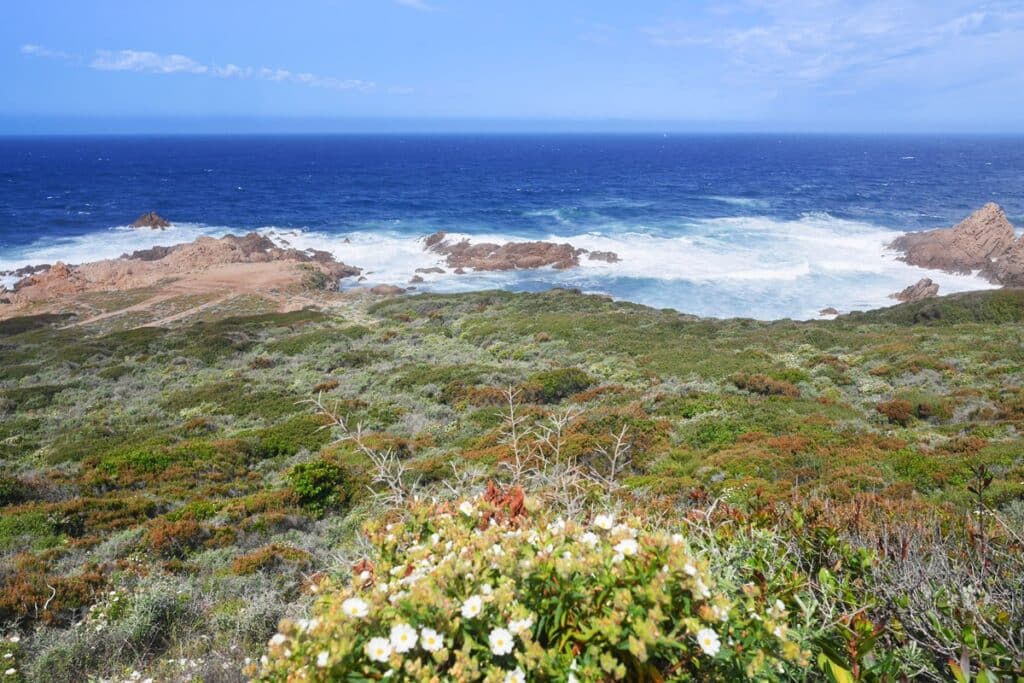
[(135, 60), (144, 61), (40, 51), (811, 41)]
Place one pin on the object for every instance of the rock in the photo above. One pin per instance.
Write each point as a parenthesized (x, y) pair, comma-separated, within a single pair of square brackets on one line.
[(971, 245), (386, 290), (486, 256), (151, 220), (460, 271), (265, 264), (4, 300), (828, 311), (922, 289), (606, 256), (416, 279), (433, 269)]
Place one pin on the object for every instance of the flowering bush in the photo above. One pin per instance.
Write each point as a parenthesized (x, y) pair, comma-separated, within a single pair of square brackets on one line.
[(464, 592)]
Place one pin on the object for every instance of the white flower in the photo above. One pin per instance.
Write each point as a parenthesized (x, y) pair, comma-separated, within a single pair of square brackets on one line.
[(708, 641), (720, 613), (278, 639), (472, 606), (501, 641), (778, 610), (604, 522), (516, 676), (572, 679), (677, 539), (486, 589), (378, 649), (590, 539), (355, 607), (15, 639), (690, 569), (11, 672), (520, 626), (702, 589), (430, 640), (626, 547), (403, 637), (467, 508), (322, 658)]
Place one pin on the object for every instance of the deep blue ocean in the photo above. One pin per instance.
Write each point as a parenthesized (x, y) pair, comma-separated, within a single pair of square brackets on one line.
[(755, 225)]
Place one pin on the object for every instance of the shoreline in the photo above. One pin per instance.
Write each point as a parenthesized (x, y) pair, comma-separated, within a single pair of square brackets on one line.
[(721, 268)]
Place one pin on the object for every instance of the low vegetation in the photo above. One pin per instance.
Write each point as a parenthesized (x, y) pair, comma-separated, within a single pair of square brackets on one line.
[(174, 499)]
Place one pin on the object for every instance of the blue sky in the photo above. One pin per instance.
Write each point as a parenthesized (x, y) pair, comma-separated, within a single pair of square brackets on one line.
[(745, 65)]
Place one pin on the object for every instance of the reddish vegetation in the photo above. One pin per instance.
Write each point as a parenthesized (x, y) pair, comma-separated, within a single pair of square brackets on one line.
[(765, 385)]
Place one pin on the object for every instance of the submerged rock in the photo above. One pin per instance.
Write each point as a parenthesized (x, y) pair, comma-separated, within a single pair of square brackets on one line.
[(151, 220), (922, 289)]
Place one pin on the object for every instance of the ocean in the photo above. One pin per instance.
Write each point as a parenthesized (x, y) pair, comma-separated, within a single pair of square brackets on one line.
[(762, 226)]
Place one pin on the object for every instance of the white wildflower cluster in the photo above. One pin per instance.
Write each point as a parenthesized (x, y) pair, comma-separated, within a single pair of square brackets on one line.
[(451, 596)]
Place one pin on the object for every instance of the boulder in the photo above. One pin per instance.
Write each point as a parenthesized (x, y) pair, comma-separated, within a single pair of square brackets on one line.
[(922, 289), (432, 269), (386, 290), (151, 220), (606, 256), (971, 245), (828, 311)]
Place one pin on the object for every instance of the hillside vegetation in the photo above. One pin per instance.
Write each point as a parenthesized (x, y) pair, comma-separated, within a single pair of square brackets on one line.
[(849, 494)]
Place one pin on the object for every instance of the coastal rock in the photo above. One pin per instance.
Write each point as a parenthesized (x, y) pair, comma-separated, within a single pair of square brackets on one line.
[(828, 311), (606, 256), (486, 256), (252, 262), (1008, 269), (386, 290), (432, 269), (973, 244), (415, 280), (922, 289), (151, 220)]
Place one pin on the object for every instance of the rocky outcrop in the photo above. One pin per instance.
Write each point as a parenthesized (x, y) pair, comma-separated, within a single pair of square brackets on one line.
[(207, 255), (151, 220), (828, 311), (486, 256), (977, 243), (922, 289)]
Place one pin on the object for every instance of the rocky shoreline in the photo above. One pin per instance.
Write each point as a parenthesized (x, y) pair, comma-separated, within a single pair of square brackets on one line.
[(984, 243)]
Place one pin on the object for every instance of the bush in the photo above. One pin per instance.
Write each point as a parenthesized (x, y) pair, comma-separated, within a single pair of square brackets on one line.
[(552, 386), (450, 597), (898, 411), (318, 485), (12, 490), (764, 385)]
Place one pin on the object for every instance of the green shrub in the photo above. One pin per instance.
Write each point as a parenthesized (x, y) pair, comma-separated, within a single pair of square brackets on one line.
[(318, 485), (551, 386), (12, 490)]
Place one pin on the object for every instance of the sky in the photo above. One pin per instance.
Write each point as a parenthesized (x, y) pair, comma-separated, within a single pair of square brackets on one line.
[(560, 65)]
